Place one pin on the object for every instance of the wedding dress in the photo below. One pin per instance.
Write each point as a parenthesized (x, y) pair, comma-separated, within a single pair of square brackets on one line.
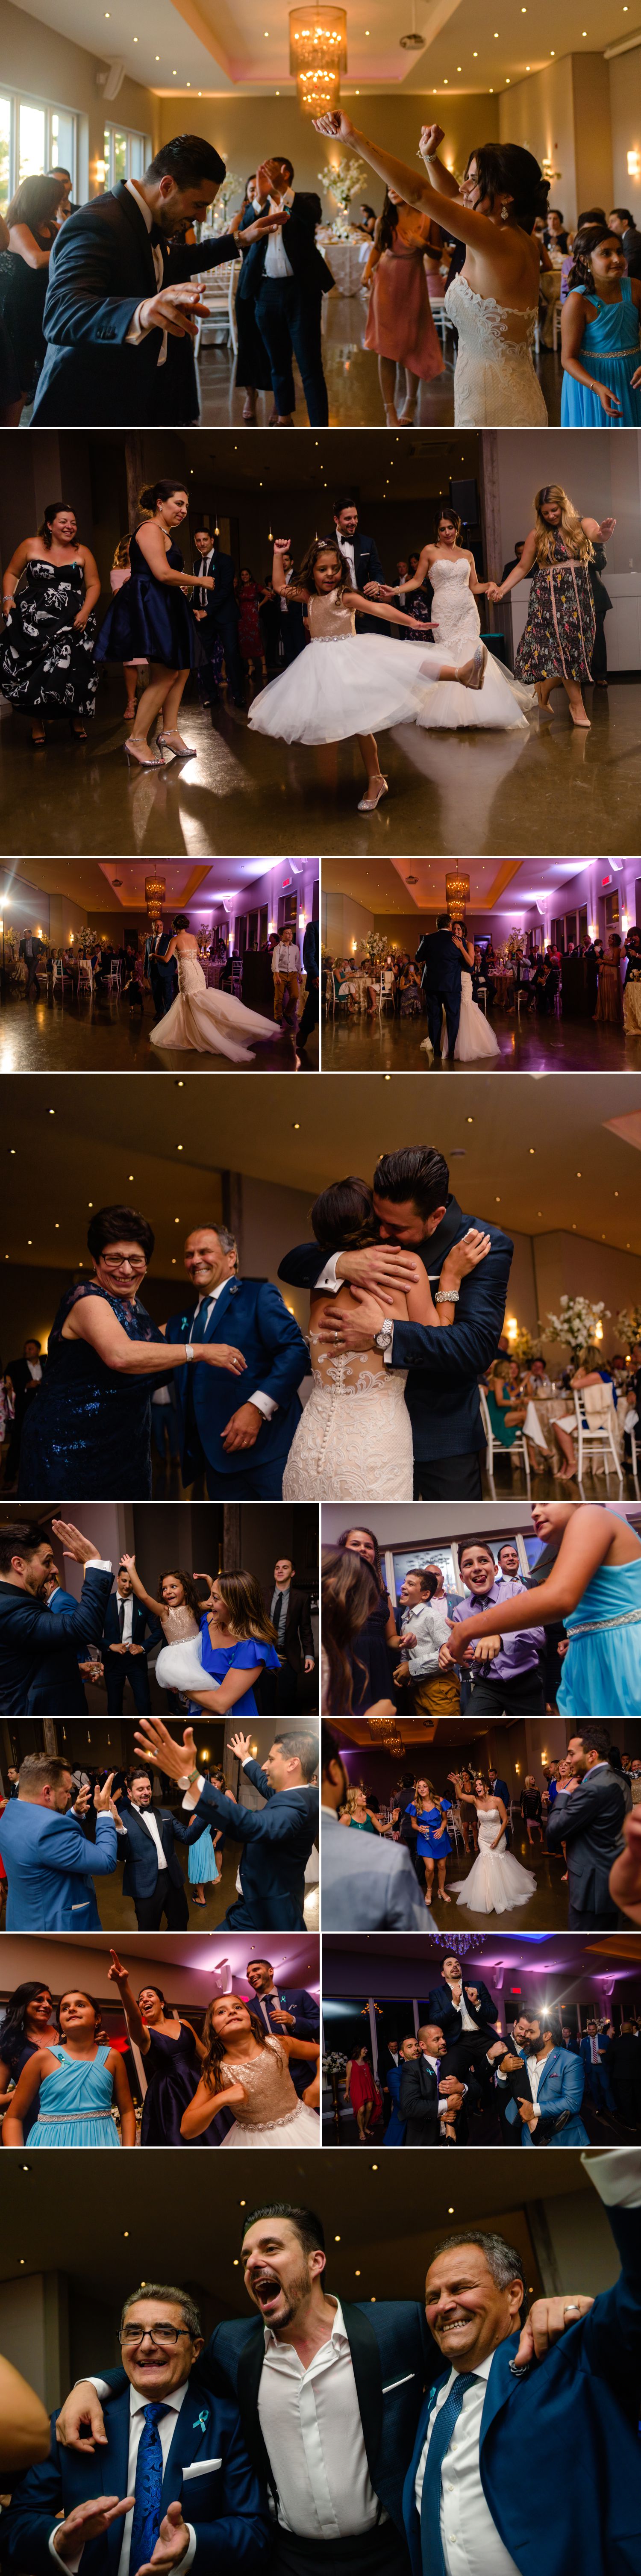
[(354, 1437), (271, 2115), (502, 699), (495, 385), (496, 1882), (203, 1022), (475, 1037)]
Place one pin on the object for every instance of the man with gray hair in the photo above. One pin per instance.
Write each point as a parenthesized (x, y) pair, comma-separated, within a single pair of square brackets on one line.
[(235, 1440)]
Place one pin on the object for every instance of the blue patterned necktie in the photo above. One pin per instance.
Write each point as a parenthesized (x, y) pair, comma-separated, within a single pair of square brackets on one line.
[(443, 2427), (146, 2516)]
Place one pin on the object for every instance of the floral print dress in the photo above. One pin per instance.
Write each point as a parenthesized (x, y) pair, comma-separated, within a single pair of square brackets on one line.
[(560, 628), (47, 665)]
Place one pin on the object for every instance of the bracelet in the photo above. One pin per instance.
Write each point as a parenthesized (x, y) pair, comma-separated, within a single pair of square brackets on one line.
[(446, 1297), (190, 1352)]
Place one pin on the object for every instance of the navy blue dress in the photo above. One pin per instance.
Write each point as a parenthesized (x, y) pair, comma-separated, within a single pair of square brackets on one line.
[(16, 2058), (88, 1429), (149, 620), (172, 2069)]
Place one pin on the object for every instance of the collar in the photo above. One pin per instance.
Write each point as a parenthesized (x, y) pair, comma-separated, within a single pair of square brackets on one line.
[(175, 2399), (209, 1295), (145, 211), (485, 1599), (338, 2336), (286, 200), (481, 2371)]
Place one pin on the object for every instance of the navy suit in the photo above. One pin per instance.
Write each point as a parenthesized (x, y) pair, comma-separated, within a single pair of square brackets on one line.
[(50, 1868), (221, 617), (163, 976), (39, 1648), (277, 1840), (224, 2502), (442, 1393), (442, 971), (101, 269), (141, 1878), (392, 2356), (551, 2506), (128, 1668), (252, 1315), (306, 2011), (441, 2008)]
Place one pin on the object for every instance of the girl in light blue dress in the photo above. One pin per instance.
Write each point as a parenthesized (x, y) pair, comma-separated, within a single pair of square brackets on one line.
[(600, 336), (75, 2084), (595, 1587)]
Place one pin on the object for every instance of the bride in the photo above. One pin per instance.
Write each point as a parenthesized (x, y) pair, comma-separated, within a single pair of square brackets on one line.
[(451, 569), (246, 2069), (202, 1021), (355, 1434), (496, 1882), (474, 1038), (494, 301)]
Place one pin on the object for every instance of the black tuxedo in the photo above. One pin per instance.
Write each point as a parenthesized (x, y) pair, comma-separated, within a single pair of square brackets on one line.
[(442, 966), (163, 977), (287, 309), (306, 2012), (466, 2048), (589, 1822), (128, 1668), (101, 269), (154, 1892), (31, 950), (442, 1394), (295, 1645), (367, 567), (392, 2356), (221, 616), (418, 2104), (24, 1388)]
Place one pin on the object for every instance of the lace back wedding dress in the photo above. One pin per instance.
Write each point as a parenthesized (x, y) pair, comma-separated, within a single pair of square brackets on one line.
[(271, 2115), (496, 1882), (495, 384), (204, 1023), (355, 1434)]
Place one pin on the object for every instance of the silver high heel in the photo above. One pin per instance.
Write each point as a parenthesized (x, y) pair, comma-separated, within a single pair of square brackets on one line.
[(165, 744), (131, 753), (368, 804), (479, 667)]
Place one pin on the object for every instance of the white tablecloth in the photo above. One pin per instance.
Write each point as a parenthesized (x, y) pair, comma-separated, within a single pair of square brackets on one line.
[(347, 260)]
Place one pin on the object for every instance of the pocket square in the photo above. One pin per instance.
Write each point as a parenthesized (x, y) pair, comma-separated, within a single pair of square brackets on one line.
[(199, 2469)]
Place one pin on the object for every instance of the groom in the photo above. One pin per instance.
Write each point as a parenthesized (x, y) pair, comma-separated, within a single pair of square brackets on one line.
[(163, 977), (419, 1219), (442, 964)]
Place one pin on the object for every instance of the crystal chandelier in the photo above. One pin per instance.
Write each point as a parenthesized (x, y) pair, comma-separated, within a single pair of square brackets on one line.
[(317, 56), (155, 889), (457, 894)]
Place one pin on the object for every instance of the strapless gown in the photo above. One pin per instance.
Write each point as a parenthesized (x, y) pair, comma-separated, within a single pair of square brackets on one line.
[(272, 2115), (47, 664), (475, 1036), (601, 1673), (503, 702), (496, 1882), (75, 2104), (354, 1434), (87, 1433), (207, 1023), (495, 385), (150, 620)]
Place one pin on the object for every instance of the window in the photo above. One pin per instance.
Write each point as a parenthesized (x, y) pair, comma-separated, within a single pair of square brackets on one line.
[(34, 137), (125, 155), (62, 140), (31, 141)]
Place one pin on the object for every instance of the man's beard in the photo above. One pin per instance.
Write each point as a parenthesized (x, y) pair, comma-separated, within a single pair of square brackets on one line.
[(298, 2292)]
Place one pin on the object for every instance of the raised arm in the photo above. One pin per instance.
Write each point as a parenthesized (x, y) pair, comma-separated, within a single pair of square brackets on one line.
[(295, 590), (437, 195), (584, 1546), (138, 1587), (137, 2028)]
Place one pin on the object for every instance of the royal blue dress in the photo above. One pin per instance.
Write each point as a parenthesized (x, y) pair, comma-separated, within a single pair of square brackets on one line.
[(396, 2127), (611, 350), (427, 1846), (87, 1432), (601, 1673), (149, 620), (76, 2104), (220, 1660)]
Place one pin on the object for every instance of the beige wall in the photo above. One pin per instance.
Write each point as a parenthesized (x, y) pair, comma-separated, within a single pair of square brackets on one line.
[(49, 67), (625, 119), (244, 129), (601, 474), (561, 114), (571, 1265)]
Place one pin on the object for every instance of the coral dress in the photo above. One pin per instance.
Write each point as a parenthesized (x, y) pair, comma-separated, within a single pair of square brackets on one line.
[(400, 323)]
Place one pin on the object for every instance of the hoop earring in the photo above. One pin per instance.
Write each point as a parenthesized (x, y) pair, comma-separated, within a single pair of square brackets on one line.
[(504, 215)]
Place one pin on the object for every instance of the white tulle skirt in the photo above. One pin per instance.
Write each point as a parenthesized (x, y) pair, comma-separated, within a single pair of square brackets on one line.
[(300, 2129), (475, 1039), (496, 1884), (180, 1667), (362, 684)]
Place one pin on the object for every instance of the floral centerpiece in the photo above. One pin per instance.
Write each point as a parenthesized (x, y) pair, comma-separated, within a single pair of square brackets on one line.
[(342, 185), (216, 217), (523, 1348), (579, 1325), (376, 948), (628, 1324)]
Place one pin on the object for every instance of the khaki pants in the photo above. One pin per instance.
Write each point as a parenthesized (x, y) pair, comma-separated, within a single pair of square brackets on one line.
[(438, 1697), (285, 984)]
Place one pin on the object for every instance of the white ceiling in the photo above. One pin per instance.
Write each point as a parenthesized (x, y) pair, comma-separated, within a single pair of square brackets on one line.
[(211, 48), (496, 885)]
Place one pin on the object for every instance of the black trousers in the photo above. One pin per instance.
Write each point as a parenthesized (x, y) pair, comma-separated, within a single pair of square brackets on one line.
[(581, 1921), (435, 1004), (167, 1900), (449, 1480), (289, 320), (224, 622), (523, 1697), (310, 1016), (379, 2552), (126, 1668)]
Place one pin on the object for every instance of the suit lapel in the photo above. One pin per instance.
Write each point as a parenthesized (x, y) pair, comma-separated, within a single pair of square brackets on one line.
[(500, 2386), (366, 2362), (192, 2436), (134, 217), (248, 2385), (116, 2473), (212, 1327)]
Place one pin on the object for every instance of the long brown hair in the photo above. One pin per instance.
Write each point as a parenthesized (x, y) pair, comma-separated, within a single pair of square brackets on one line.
[(571, 529), (342, 1217), (386, 226), (191, 1596), (349, 1595), (323, 546), (244, 1601), (215, 2046)]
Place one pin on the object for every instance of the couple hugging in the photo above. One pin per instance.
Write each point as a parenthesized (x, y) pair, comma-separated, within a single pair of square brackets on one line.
[(407, 1305)]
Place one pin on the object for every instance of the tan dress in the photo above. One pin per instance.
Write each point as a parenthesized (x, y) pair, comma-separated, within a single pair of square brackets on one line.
[(272, 2115)]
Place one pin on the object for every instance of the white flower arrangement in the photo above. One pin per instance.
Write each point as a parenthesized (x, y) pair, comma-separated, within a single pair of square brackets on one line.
[(230, 187), (579, 1324), (628, 1324), (343, 184)]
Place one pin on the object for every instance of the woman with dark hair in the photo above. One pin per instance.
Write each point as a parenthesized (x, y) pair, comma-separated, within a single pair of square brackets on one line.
[(349, 1598), (494, 301), (29, 2024), (600, 335), (355, 1434), (451, 570), (172, 2054), (246, 2070), (378, 1640), (201, 1022), (364, 2093), (400, 326), (88, 1428), (555, 650), (47, 652), (150, 618), (238, 1643), (24, 272), (76, 2084)]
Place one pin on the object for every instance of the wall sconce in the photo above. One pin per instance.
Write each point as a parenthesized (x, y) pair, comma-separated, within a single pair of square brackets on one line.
[(302, 920), (101, 172), (511, 1328), (271, 926), (634, 165), (598, 1331), (593, 930), (517, 1768)]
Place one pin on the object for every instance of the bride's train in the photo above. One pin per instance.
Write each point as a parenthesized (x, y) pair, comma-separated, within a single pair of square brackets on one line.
[(205, 1023), (496, 1884)]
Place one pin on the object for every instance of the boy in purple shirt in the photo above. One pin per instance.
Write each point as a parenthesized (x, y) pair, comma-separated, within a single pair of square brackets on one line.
[(507, 1678)]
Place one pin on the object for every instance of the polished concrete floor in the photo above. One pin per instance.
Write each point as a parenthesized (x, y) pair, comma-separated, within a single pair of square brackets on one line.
[(363, 1044), (351, 376), (551, 788), (102, 1037), (117, 1913)]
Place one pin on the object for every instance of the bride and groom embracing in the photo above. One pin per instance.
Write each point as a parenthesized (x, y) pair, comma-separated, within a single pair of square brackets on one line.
[(456, 1026), (407, 1300)]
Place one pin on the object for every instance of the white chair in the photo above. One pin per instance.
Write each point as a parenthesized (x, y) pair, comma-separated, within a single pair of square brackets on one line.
[(113, 978), (596, 1442), (385, 989), (61, 976), (85, 974), (454, 1824), (217, 291), (494, 1447), (237, 979)]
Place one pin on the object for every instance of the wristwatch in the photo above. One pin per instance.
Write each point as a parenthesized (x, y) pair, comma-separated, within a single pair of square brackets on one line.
[(446, 1297), (384, 1337)]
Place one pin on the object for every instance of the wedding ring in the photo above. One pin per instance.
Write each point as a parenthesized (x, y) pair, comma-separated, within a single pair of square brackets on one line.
[(573, 2309)]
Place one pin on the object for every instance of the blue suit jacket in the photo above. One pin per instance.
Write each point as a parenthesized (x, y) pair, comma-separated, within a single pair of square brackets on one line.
[(252, 1315), (442, 1395), (39, 1648), (277, 1840), (306, 2011), (441, 963), (587, 2389), (561, 2088), (50, 1868), (223, 2503), (441, 2008), (392, 2354)]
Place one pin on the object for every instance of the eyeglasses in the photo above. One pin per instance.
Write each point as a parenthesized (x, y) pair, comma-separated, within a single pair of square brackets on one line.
[(158, 2333), (122, 1261)]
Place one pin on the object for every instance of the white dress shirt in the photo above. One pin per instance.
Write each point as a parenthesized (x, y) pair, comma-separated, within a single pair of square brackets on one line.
[(311, 2425), (265, 1403), (458, 2000), (128, 1621), (277, 263), (429, 1625), (444, 2110), (35, 1370), (201, 597), (166, 2429), (147, 1817), (286, 957), (346, 549), (136, 331)]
